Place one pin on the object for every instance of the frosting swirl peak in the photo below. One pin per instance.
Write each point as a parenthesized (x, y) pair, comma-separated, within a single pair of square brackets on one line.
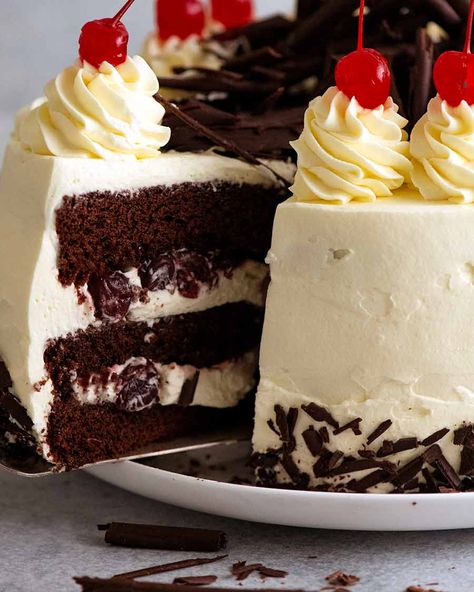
[(442, 146), (109, 113), (349, 153)]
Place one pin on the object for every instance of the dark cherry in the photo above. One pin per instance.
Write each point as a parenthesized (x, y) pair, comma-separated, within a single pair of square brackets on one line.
[(112, 296), (453, 71), (159, 275), (105, 40), (138, 387), (364, 73)]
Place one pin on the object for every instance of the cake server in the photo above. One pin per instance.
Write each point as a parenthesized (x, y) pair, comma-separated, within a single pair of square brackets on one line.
[(33, 465)]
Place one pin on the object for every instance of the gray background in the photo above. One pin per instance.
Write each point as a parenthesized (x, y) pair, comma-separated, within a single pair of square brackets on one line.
[(47, 527)]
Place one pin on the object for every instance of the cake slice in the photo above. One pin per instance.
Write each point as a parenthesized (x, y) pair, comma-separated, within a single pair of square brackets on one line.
[(133, 281)]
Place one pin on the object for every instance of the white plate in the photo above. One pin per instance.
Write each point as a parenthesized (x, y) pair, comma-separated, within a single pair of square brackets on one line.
[(342, 511)]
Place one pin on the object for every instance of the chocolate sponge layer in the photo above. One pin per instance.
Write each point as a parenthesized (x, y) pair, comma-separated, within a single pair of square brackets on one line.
[(103, 232)]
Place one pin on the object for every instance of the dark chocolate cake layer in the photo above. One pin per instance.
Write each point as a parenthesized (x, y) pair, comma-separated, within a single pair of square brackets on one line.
[(104, 232), (201, 339), (83, 434)]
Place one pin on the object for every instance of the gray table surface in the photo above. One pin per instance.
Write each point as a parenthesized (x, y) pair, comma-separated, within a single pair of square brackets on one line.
[(48, 535), (48, 527)]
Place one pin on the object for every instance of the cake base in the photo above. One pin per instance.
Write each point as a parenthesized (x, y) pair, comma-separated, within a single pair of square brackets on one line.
[(79, 435)]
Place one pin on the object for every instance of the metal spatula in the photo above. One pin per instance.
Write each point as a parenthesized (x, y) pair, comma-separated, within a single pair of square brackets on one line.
[(33, 465)]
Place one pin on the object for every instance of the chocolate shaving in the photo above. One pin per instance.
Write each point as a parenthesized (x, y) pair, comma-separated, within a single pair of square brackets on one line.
[(216, 138), (408, 471), (353, 425), (419, 589), (298, 477), (435, 457), (320, 414), (166, 567), (189, 389), (370, 480), (324, 433), (379, 430), (150, 536), (389, 447), (435, 437), (271, 425), (461, 434), (195, 580), (286, 425), (313, 440), (355, 466)]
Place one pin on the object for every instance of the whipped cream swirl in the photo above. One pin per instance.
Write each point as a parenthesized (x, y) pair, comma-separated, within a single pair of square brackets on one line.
[(349, 153), (109, 113), (442, 147), (173, 53)]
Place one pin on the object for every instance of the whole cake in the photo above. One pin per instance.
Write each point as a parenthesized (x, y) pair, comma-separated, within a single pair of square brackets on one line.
[(367, 361), (133, 280)]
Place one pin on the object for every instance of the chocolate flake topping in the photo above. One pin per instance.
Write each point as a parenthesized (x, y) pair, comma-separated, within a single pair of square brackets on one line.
[(389, 447), (382, 428), (216, 138), (351, 425), (313, 440), (435, 437), (320, 414)]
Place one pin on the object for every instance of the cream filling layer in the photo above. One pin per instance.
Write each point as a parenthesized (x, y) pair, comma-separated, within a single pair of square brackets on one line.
[(220, 386)]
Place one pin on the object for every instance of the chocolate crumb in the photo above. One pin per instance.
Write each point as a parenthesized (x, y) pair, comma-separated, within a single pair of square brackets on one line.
[(339, 578)]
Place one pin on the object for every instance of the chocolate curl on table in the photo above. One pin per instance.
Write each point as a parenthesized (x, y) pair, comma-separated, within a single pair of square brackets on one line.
[(167, 567), (150, 536), (216, 138), (113, 585)]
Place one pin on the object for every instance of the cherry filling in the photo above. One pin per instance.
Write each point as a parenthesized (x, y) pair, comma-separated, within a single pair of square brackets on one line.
[(112, 296), (138, 386)]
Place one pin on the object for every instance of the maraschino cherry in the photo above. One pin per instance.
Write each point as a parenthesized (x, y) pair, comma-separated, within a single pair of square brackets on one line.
[(180, 18), (105, 40), (453, 72), (364, 73), (232, 13)]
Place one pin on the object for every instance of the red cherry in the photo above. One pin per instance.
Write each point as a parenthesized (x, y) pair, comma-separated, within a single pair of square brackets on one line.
[(453, 71), (105, 40), (454, 77), (180, 18), (365, 75), (232, 13)]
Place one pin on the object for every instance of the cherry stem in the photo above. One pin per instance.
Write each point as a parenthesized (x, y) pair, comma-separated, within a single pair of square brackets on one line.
[(360, 36), (118, 17), (467, 44)]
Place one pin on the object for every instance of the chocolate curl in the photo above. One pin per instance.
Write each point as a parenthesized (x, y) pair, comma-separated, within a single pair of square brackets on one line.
[(421, 75), (216, 138), (149, 536), (113, 585)]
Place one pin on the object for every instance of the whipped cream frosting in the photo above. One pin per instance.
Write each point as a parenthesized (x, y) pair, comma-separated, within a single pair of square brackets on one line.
[(442, 147), (109, 113), (173, 53), (349, 153)]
